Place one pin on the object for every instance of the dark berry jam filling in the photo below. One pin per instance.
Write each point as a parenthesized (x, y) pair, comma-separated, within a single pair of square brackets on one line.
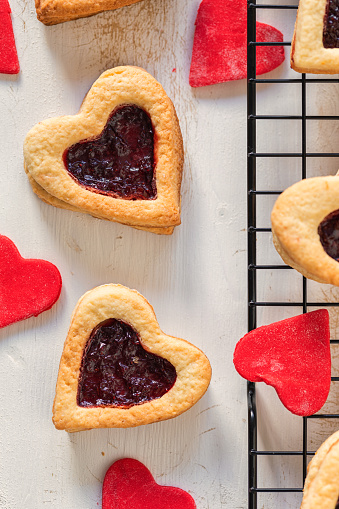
[(328, 231), (117, 371), (331, 25), (119, 162), (337, 505)]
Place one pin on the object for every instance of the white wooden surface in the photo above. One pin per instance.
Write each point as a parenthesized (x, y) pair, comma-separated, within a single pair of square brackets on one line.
[(195, 280)]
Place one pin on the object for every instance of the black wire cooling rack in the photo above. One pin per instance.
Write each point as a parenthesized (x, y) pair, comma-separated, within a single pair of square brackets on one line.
[(253, 231)]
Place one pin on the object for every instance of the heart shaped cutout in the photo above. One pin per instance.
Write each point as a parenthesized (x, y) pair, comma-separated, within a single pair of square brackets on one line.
[(114, 343), (117, 371), (27, 286), (9, 63), (220, 44), (128, 484), (135, 179), (293, 356), (305, 227), (120, 161)]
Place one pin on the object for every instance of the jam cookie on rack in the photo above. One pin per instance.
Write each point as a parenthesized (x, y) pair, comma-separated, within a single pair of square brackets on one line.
[(315, 44), (120, 158), (305, 226), (321, 489), (293, 356), (27, 286), (52, 12), (128, 483), (118, 369)]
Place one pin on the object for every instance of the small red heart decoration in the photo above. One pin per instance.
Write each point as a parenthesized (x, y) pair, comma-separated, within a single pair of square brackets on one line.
[(27, 286), (9, 63), (293, 356), (220, 44), (128, 484)]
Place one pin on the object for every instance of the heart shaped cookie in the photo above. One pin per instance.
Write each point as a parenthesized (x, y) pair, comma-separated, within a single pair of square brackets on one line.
[(27, 286), (220, 44), (118, 369), (293, 356), (51, 200), (321, 489), (305, 226), (128, 484), (52, 12), (120, 158), (315, 44)]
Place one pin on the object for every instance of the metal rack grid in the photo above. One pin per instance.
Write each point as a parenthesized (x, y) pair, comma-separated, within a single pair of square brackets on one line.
[(253, 267)]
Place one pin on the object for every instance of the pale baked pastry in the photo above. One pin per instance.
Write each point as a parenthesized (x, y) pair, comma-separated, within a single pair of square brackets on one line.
[(120, 158), (305, 226), (315, 44), (52, 12), (51, 200), (321, 489), (118, 369)]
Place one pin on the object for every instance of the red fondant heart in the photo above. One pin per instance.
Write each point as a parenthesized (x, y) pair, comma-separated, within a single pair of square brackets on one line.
[(220, 44), (9, 63), (128, 484), (27, 287), (293, 356)]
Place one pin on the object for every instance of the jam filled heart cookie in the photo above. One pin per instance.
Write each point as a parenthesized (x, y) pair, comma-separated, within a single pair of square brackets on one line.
[(305, 226), (128, 484), (120, 158), (315, 45), (293, 356), (118, 369), (52, 12), (321, 489), (27, 286)]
